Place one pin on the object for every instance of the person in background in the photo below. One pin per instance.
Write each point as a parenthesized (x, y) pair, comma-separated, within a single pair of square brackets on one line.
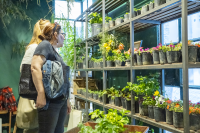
[(51, 120), (30, 49)]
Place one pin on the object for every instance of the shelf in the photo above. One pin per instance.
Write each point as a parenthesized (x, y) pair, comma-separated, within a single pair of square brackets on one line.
[(144, 119), (97, 7)]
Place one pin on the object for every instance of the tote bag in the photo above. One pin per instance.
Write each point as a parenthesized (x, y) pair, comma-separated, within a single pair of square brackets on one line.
[(74, 118), (27, 116)]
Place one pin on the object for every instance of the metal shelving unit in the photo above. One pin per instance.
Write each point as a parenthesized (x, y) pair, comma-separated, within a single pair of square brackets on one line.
[(163, 13)]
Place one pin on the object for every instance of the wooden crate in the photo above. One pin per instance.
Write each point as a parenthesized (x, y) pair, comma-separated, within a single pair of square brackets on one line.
[(81, 84)]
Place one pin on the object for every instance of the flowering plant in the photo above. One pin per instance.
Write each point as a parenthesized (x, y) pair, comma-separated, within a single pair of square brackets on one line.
[(177, 106), (127, 54), (147, 50), (149, 101), (118, 55), (162, 47), (169, 103), (140, 50), (197, 44), (160, 100)]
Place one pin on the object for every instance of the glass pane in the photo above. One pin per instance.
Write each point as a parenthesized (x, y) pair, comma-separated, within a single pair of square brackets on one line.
[(194, 95), (75, 11), (194, 75), (84, 5), (172, 93), (60, 9), (170, 31), (193, 26)]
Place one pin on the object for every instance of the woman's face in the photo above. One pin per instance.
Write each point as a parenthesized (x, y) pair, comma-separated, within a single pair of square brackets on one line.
[(61, 39)]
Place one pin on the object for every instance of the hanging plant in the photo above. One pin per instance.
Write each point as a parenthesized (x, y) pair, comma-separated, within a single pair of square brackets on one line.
[(19, 48)]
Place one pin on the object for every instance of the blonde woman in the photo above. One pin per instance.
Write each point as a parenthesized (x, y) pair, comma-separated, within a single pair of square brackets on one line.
[(27, 112)]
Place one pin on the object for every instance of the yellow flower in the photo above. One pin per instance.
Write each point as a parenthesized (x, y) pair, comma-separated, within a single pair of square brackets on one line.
[(156, 93), (110, 42), (108, 48), (105, 45)]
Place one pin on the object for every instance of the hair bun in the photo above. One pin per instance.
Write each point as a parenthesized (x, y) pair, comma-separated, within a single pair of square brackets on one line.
[(41, 37)]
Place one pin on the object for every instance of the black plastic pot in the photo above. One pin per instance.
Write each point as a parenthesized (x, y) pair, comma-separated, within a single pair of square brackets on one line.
[(151, 112), (123, 100), (136, 107), (159, 114), (109, 64), (135, 60), (106, 99), (143, 110), (97, 65), (138, 12), (170, 56), (79, 91), (91, 64), (118, 63), (198, 54), (80, 65), (178, 119), (118, 101), (101, 99), (101, 64), (128, 104), (111, 101), (146, 58), (90, 95), (128, 63), (176, 56), (95, 96), (139, 59), (156, 59), (192, 53), (194, 122), (162, 57), (169, 117)]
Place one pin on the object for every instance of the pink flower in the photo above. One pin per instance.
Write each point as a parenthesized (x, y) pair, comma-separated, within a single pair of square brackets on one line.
[(171, 45), (135, 49), (141, 50), (160, 44), (146, 49), (155, 48)]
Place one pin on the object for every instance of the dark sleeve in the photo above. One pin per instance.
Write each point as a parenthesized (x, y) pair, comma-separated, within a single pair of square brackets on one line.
[(43, 49)]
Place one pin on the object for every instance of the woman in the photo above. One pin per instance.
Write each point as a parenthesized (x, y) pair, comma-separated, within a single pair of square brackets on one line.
[(50, 120), (28, 118)]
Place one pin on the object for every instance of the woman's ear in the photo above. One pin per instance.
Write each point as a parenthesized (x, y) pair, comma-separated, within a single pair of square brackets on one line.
[(56, 35)]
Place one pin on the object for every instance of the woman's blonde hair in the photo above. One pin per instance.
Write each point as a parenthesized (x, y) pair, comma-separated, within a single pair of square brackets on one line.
[(38, 28)]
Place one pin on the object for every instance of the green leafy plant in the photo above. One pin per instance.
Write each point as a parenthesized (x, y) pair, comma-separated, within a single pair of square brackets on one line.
[(95, 18), (90, 91), (118, 55), (111, 93), (108, 19), (109, 58), (149, 101), (97, 114)]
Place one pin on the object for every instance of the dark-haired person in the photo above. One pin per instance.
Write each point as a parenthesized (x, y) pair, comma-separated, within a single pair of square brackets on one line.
[(51, 119)]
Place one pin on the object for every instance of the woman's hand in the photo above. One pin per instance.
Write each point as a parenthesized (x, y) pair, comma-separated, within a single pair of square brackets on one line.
[(68, 107), (41, 100)]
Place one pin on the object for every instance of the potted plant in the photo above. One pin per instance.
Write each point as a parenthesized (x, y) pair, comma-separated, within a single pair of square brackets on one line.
[(96, 23), (169, 112), (79, 91), (118, 98), (98, 63), (111, 95), (90, 94), (119, 20), (192, 52), (109, 60), (151, 5), (172, 53), (159, 2), (146, 57), (128, 57), (107, 25), (79, 62), (198, 51), (162, 53), (159, 108), (155, 52), (138, 11), (145, 8), (139, 56), (118, 56), (150, 102), (100, 94), (194, 112), (95, 95), (126, 17), (177, 114), (84, 92), (135, 12), (128, 102)]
